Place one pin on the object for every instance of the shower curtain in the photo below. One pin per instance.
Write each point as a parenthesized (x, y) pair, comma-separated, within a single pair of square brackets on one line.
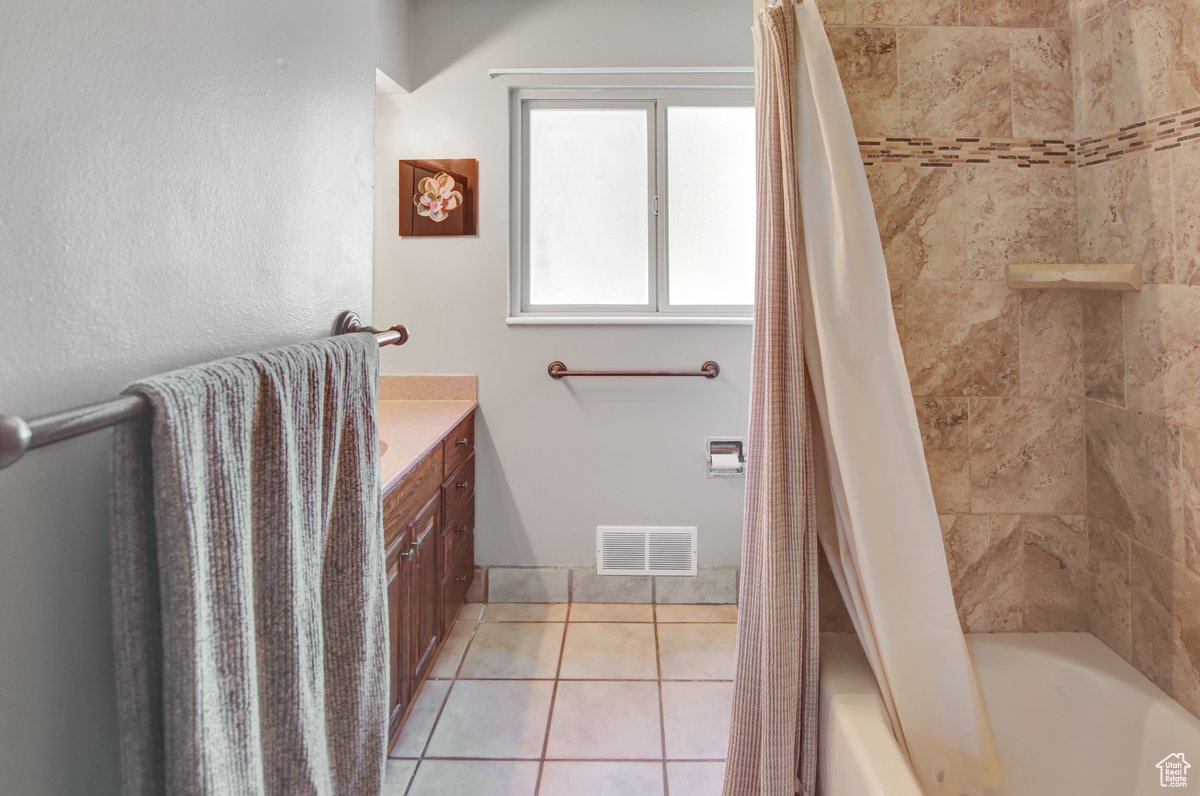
[(835, 453)]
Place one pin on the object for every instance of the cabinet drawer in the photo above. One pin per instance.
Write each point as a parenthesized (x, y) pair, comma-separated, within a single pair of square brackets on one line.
[(459, 443), (459, 488), (405, 499), (455, 532), (459, 572)]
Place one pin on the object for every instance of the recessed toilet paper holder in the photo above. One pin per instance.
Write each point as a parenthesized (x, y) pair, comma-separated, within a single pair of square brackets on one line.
[(726, 456)]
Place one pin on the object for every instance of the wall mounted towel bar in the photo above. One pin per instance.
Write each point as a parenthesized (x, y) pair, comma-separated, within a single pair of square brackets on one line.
[(18, 435), (558, 370)]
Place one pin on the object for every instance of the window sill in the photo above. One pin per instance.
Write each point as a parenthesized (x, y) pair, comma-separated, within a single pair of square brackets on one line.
[(628, 320)]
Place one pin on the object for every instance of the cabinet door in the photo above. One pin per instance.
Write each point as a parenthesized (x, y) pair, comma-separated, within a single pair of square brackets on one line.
[(425, 613), (399, 631)]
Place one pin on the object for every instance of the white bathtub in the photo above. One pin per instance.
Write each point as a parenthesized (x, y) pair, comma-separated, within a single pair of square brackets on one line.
[(1069, 715)]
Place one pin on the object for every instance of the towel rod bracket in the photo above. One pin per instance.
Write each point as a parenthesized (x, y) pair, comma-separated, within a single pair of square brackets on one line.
[(15, 437), (348, 322)]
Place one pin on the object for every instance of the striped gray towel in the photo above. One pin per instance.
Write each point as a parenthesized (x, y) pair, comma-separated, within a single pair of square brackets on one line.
[(248, 582)]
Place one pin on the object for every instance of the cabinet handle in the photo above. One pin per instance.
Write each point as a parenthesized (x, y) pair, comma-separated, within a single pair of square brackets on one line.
[(459, 578), (461, 529), (417, 544), (406, 554), (462, 441), (463, 484)]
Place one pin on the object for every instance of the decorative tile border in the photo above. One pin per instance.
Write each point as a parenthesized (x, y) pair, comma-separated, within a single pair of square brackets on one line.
[(965, 151), (1162, 132)]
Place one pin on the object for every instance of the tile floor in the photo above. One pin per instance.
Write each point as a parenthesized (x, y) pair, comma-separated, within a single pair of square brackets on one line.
[(566, 700)]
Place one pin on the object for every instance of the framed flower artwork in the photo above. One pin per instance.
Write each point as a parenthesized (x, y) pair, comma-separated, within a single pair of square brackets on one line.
[(439, 197)]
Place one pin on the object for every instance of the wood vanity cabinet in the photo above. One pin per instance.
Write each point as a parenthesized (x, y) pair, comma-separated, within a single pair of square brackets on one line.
[(429, 535)]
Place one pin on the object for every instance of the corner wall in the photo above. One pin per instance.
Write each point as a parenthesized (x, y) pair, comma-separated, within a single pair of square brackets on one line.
[(182, 181), (1137, 86)]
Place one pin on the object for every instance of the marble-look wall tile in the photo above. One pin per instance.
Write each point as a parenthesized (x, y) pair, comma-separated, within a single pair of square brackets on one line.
[(833, 12), (897, 291), (1165, 625), (1188, 494), (1132, 472), (1027, 455), (1185, 163), (1125, 213), (922, 216), (962, 338), (944, 426), (1104, 347), (1055, 572), (955, 81), (1156, 58), (1051, 351), (1009, 14), (984, 555), (1080, 11), (866, 60), (1108, 586), (901, 12), (1162, 343), (1016, 216), (1092, 59), (1042, 99)]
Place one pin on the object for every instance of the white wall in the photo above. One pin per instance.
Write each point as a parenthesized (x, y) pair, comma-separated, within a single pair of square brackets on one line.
[(393, 55), (180, 181), (555, 458)]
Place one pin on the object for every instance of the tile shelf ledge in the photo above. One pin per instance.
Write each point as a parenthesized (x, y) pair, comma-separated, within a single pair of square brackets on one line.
[(1080, 276)]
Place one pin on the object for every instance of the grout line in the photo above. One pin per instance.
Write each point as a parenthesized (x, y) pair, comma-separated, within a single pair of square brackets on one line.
[(562, 648), (662, 713)]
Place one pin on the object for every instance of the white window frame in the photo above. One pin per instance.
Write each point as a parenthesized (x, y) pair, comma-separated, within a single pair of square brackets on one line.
[(658, 309)]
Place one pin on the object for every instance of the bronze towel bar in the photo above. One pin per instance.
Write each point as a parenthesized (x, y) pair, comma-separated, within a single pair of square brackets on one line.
[(18, 435), (558, 370)]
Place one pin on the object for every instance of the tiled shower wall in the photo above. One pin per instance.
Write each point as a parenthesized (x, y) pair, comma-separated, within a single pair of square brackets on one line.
[(1138, 119), (964, 114), (1062, 429)]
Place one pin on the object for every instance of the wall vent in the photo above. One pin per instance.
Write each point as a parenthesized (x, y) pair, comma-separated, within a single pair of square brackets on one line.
[(632, 550)]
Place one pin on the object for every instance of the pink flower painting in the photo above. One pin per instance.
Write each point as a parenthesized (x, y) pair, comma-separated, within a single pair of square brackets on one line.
[(436, 197)]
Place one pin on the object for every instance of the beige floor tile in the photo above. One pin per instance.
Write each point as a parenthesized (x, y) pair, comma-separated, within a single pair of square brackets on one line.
[(696, 779), (525, 612), (697, 651), (568, 778), (605, 720), (493, 719), (696, 720), (611, 612), (421, 719), (519, 650), (475, 777), (609, 650), (471, 612), (451, 655), (697, 613), (396, 777)]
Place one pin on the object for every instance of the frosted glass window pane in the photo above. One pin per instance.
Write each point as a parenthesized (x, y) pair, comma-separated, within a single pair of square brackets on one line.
[(710, 205), (589, 211)]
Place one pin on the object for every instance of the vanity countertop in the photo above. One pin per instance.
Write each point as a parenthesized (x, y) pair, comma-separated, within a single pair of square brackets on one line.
[(408, 429)]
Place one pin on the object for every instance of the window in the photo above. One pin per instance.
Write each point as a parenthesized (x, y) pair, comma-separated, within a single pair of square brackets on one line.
[(632, 204)]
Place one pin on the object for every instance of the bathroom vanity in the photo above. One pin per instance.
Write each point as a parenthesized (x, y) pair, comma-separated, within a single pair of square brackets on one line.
[(428, 463)]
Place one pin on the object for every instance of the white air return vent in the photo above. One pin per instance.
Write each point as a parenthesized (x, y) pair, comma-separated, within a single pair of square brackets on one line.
[(631, 550)]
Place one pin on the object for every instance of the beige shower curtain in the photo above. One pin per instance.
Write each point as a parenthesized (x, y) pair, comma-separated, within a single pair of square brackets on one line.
[(835, 453)]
